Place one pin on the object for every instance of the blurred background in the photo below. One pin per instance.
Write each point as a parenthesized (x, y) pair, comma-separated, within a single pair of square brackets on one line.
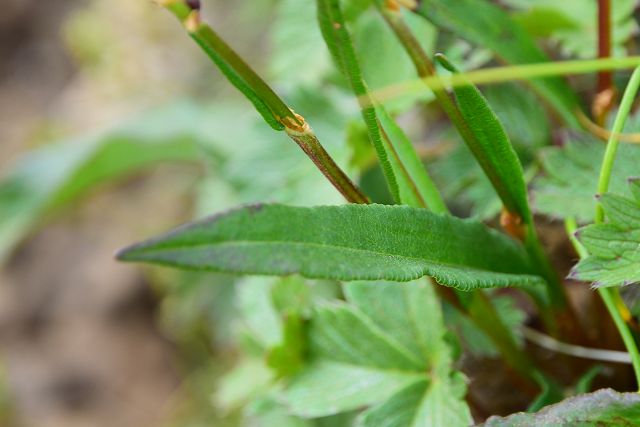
[(115, 127)]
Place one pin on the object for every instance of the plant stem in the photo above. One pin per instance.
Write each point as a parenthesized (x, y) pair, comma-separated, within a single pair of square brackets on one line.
[(508, 73), (478, 306), (611, 296), (310, 144), (272, 108), (338, 40)]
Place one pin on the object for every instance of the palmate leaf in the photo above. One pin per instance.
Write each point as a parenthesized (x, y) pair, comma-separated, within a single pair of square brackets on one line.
[(614, 247), (603, 407), (352, 242), (571, 174), (385, 349), (491, 27)]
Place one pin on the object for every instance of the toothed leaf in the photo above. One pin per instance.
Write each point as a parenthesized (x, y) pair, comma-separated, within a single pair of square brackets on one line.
[(614, 247)]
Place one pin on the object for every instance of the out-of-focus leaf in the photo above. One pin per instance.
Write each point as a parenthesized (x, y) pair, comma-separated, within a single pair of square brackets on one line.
[(286, 358), (614, 259), (603, 407), (422, 404), (522, 115), (474, 339), (384, 61), (483, 23), (247, 380), (570, 179), (352, 242), (57, 174), (415, 186), (293, 40), (464, 185), (573, 26), (385, 349)]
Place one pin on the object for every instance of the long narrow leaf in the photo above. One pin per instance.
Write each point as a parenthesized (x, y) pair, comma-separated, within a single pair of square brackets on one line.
[(492, 148), (352, 242)]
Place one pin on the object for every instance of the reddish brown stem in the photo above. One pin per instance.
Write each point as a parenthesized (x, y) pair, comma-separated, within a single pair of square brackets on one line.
[(605, 80)]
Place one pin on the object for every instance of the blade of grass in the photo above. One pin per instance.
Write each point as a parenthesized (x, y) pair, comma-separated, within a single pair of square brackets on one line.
[(272, 108)]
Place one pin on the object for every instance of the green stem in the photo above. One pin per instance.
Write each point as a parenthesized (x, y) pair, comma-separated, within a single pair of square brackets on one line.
[(272, 108), (614, 139), (509, 73), (611, 298)]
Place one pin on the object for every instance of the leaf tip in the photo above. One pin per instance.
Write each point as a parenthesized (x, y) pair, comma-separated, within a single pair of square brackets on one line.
[(445, 62), (129, 253), (573, 274)]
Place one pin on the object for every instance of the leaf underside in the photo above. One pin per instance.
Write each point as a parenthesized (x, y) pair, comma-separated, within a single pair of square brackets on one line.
[(603, 407), (352, 242)]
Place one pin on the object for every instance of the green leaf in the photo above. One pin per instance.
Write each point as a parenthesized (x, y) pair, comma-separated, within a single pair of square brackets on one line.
[(491, 27), (415, 186), (464, 184), (292, 40), (353, 242), (614, 258), (56, 174), (524, 118), (422, 404), (603, 407), (327, 388), (492, 148), (391, 357), (567, 188), (572, 26)]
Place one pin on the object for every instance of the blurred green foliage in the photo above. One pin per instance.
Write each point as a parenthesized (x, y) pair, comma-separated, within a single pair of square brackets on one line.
[(242, 340)]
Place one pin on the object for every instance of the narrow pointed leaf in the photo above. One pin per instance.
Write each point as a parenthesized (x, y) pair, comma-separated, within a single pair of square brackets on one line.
[(491, 27), (352, 242), (492, 148)]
